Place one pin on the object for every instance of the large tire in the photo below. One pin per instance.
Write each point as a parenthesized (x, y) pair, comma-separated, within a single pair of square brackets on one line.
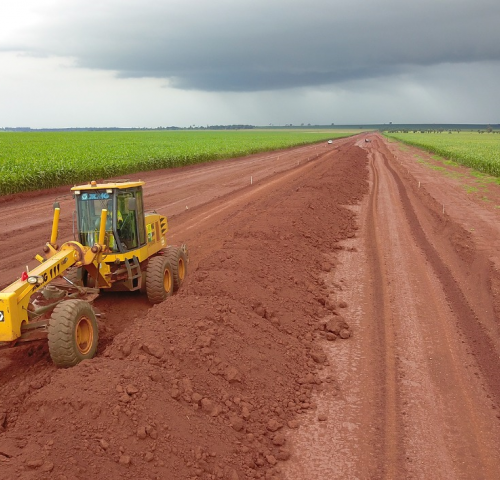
[(178, 260), (159, 279), (73, 333)]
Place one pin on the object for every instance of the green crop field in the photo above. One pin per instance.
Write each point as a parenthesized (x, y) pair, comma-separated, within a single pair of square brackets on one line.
[(36, 160), (480, 151)]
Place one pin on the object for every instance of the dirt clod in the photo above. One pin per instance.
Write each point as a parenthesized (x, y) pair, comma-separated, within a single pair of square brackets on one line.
[(124, 460), (336, 324), (35, 463)]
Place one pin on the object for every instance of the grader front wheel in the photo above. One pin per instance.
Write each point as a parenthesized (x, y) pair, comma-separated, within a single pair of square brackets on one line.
[(159, 279), (73, 333)]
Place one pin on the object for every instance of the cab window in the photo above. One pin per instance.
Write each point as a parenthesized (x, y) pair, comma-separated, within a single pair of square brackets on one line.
[(89, 207), (126, 220)]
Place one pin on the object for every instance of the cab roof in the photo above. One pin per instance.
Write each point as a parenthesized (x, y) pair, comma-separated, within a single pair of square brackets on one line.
[(107, 185)]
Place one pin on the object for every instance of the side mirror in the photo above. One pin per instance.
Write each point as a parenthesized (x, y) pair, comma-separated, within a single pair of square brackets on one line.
[(132, 204)]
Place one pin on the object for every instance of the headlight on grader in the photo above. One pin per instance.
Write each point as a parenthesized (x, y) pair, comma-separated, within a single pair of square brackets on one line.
[(35, 280)]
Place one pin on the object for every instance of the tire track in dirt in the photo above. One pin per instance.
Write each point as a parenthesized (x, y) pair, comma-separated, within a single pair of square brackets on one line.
[(444, 412), (480, 343), (380, 311)]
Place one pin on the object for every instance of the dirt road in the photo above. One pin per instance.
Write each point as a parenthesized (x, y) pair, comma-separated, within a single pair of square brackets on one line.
[(340, 320)]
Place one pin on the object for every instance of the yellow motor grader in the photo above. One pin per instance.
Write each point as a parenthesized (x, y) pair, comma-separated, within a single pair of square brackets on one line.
[(116, 246)]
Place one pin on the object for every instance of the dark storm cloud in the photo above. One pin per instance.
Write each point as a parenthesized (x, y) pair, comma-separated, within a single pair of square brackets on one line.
[(226, 45)]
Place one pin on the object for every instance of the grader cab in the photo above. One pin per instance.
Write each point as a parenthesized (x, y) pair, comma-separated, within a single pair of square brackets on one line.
[(117, 247)]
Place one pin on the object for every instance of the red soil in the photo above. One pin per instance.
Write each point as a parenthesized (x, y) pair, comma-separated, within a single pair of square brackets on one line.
[(220, 380)]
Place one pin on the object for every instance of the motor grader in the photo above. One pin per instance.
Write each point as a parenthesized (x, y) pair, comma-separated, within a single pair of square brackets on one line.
[(116, 247)]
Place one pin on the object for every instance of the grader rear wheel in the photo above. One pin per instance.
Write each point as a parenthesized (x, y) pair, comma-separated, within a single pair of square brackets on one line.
[(73, 333), (159, 279), (178, 260)]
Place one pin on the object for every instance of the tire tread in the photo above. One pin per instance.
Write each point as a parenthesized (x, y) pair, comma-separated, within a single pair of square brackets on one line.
[(154, 279), (60, 332)]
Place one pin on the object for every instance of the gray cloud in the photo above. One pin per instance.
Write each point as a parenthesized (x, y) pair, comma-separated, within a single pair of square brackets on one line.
[(261, 45)]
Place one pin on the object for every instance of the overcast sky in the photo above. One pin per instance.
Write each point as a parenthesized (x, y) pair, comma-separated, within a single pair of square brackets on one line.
[(148, 63)]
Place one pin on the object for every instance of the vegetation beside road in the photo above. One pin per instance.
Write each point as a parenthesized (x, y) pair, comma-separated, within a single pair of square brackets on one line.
[(36, 160), (480, 151)]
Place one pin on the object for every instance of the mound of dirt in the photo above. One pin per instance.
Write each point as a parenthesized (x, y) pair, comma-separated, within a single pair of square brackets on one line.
[(207, 384)]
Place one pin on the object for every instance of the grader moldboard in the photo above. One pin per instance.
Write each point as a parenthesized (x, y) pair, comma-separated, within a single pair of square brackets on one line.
[(117, 247)]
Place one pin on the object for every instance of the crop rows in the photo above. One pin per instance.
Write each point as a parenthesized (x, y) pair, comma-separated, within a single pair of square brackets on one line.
[(480, 151), (37, 160)]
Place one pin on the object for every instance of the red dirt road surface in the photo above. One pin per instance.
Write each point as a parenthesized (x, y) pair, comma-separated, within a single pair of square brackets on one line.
[(340, 319)]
